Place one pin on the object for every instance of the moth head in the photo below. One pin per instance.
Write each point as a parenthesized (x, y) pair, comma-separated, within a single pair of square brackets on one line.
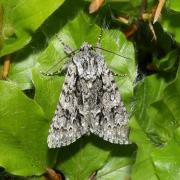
[(88, 63), (86, 47)]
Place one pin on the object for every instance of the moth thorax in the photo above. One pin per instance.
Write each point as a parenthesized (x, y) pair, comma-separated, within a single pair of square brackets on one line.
[(86, 47)]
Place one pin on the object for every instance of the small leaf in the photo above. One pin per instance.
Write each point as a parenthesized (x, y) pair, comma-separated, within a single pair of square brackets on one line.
[(168, 62)]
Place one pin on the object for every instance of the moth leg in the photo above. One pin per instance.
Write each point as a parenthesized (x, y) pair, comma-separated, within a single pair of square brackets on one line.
[(117, 74), (67, 49), (52, 73), (62, 71)]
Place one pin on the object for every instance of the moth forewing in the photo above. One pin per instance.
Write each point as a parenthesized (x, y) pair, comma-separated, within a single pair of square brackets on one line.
[(89, 103)]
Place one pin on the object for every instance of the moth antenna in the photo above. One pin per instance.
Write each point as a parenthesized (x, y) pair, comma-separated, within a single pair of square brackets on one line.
[(98, 44), (112, 52), (99, 38), (53, 66), (67, 49)]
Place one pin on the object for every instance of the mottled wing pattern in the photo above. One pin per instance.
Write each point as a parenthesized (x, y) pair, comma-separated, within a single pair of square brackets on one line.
[(112, 122), (66, 124), (89, 102)]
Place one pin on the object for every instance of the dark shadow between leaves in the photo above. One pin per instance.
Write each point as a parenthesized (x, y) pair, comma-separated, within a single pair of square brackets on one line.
[(68, 152)]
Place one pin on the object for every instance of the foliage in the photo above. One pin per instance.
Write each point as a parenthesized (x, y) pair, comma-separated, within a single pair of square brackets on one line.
[(151, 92)]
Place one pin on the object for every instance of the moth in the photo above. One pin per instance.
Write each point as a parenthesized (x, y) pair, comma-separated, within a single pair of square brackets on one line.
[(89, 102)]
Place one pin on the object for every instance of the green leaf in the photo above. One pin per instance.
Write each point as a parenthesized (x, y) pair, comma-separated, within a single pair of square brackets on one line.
[(73, 160), (23, 132), (155, 129), (117, 167), (91, 153), (81, 159), (148, 92), (174, 5), (22, 62), (168, 62), (114, 169), (21, 19), (143, 159), (172, 97), (170, 22), (167, 161), (160, 125)]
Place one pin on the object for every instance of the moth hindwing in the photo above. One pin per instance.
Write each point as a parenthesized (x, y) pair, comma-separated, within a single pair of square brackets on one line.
[(89, 103)]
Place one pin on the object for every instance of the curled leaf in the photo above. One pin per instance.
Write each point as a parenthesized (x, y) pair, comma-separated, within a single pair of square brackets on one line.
[(95, 5), (158, 10), (6, 66), (124, 20), (52, 175)]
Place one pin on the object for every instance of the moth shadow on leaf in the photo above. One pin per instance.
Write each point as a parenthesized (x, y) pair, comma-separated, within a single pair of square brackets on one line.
[(92, 144)]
